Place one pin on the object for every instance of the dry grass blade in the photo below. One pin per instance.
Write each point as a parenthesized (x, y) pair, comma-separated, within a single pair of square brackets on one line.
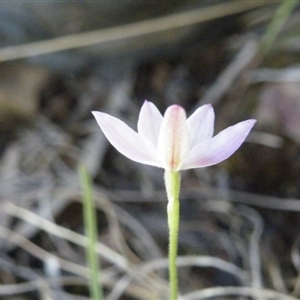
[(275, 203), (64, 233), (255, 237), (227, 78), (41, 253), (237, 291), (142, 289), (13, 289), (200, 261), (128, 31)]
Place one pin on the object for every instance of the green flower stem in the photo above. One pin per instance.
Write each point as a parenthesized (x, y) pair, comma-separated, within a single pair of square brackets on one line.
[(91, 232), (172, 182)]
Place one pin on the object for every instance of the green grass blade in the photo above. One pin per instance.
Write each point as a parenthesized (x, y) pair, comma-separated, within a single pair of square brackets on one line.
[(280, 17), (91, 232)]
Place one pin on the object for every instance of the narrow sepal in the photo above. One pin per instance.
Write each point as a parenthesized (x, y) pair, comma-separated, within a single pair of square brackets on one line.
[(126, 140), (220, 147)]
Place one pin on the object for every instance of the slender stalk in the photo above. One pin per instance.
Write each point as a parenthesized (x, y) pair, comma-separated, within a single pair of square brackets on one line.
[(91, 232), (172, 182)]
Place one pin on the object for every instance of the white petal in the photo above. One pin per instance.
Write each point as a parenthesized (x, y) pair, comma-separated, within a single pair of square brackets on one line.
[(220, 147), (126, 140), (201, 124), (173, 142), (149, 122)]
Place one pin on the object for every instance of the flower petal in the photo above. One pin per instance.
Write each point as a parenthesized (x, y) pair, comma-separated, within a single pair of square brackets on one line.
[(201, 124), (173, 142), (220, 147), (126, 140), (149, 122)]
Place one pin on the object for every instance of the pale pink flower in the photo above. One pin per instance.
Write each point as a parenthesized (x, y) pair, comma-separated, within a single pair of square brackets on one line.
[(172, 141)]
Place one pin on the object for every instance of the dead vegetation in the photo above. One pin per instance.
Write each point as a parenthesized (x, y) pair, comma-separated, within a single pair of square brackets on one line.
[(239, 220)]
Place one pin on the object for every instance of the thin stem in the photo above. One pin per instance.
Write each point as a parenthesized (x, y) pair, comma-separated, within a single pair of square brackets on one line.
[(172, 181), (91, 232)]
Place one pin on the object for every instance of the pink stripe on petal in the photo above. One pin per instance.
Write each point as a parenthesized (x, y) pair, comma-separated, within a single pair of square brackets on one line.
[(220, 147), (201, 124), (149, 122), (126, 140), (173, 141)]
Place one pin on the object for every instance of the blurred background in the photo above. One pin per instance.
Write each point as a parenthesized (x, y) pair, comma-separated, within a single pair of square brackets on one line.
[(59, 60)]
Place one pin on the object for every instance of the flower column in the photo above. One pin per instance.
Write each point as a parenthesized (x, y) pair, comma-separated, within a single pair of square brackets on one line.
[(173, 148)]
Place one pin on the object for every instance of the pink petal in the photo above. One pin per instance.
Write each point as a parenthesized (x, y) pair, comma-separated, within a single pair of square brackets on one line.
[(173, 141), (201, 124), (149, 122), (220, 147), (126, 140)]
